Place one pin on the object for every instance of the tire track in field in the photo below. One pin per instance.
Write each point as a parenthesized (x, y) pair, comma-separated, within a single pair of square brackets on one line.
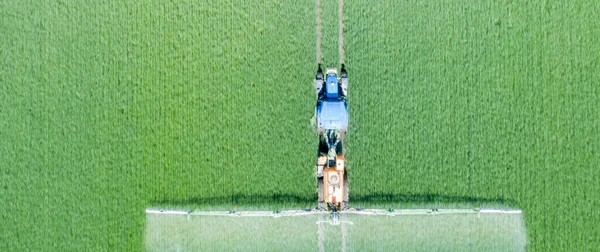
[(319, 32), (341, 32)]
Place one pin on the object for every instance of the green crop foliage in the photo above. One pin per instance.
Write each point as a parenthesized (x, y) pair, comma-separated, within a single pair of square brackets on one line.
[(109, 107)]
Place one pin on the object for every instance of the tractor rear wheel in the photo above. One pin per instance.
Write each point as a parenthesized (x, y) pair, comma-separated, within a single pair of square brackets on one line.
[(345, 202), (320, 189)]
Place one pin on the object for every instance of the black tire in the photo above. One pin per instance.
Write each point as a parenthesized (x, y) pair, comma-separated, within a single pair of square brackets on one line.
[(345, 189), (320, 186), (319, 73)]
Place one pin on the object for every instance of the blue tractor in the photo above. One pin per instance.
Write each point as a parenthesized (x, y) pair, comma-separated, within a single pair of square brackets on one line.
[(332, 124)]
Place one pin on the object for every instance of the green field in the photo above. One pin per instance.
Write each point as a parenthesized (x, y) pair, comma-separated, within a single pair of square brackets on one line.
[(109, 107)]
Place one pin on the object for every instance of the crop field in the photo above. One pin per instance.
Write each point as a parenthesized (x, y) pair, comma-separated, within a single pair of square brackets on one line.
[(110, 107)]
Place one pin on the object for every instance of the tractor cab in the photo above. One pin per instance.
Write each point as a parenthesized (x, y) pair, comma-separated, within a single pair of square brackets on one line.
[(332, 115)]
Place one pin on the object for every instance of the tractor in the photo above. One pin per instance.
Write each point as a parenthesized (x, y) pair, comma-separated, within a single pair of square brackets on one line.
[(332, 123)]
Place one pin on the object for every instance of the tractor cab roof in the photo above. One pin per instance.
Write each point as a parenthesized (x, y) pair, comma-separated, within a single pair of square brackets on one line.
[(333, 114)]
